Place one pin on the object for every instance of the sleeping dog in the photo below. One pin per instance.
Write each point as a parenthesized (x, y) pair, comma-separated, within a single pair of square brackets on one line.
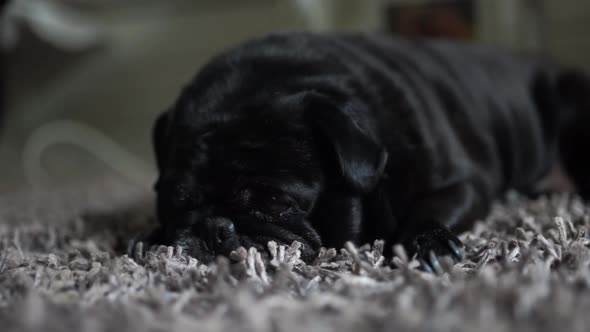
[(324, 139)]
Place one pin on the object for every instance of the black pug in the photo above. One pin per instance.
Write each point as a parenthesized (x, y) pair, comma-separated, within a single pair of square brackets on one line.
[(325, 139)]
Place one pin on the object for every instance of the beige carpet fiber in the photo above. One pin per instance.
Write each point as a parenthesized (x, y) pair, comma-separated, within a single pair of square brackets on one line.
[(63, 268)]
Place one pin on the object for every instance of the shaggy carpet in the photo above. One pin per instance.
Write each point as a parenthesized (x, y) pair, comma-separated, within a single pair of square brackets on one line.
[(63, 268)]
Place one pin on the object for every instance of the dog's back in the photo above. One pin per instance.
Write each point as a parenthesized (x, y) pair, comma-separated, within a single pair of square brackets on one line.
[(470, 106), (448, 106)]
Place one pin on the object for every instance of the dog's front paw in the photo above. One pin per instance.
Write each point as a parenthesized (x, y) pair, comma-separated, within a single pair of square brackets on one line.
[(433, 242)]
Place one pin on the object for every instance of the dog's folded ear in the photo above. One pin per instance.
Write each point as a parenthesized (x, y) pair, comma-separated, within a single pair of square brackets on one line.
[(360, 158), (160, 138)]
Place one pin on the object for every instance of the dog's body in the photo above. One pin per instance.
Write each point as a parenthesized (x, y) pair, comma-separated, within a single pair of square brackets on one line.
[(326, 139)]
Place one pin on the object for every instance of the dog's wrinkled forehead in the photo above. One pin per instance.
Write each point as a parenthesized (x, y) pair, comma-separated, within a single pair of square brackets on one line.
[(220, 157)]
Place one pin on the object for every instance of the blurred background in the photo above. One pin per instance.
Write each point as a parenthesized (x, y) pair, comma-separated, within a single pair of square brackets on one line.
[(83, 80)]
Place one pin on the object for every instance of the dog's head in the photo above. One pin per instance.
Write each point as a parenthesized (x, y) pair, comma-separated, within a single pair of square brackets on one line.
[(243, 176)]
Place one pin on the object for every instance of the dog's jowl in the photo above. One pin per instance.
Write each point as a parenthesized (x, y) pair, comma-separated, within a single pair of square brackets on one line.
[(324, 139)]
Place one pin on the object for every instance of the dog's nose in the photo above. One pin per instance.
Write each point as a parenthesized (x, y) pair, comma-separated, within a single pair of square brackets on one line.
[(218, 231)]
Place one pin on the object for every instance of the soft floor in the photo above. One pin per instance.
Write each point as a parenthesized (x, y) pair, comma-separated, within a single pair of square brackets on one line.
[(63, 268)]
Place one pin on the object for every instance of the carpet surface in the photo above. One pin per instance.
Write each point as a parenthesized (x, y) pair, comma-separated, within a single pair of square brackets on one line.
[(63, 268)]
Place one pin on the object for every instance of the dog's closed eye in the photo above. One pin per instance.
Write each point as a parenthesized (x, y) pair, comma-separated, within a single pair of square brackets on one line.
[(279, 205), (267, 201)]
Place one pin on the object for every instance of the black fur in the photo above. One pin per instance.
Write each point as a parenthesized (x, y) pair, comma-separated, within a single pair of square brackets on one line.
[(328, 138)]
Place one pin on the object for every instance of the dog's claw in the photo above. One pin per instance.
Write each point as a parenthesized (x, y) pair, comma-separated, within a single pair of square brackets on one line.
[(432, 243), (457, 251), (435, 263), (131, 247), (425, 266)]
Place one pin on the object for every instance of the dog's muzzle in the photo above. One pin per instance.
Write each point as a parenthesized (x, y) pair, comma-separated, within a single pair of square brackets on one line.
[(217, 232)]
